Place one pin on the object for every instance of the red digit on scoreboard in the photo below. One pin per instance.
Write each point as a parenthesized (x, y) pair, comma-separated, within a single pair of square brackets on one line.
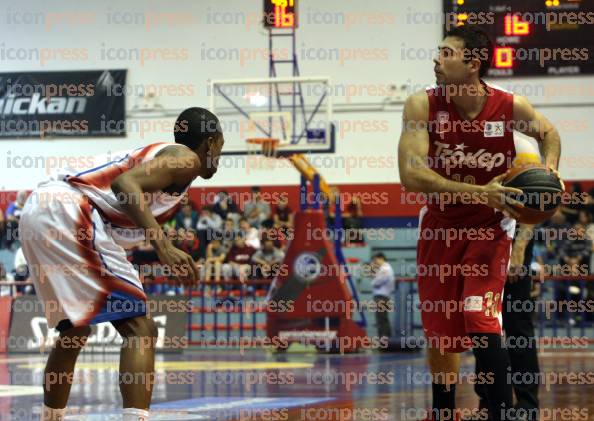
[(283, 18), (504, 57), (514, 26)]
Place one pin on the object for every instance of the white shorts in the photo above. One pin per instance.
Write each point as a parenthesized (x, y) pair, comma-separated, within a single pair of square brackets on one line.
[(80, 272)]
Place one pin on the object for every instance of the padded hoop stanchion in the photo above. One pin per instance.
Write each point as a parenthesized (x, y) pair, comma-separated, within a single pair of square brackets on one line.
[(316, 272), (303, 196), (316, 191)]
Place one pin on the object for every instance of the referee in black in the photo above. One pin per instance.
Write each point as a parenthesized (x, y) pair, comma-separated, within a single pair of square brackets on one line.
[(518, 323)]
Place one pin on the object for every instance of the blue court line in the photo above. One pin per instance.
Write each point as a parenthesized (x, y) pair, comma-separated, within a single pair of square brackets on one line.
[(225, 408)]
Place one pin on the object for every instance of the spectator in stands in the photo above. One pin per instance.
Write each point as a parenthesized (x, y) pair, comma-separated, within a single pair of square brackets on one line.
[(173, 235), (190, 244), (383, 284), (215, 256), (2, 230), (209, 226), (590, 237), (557, 230), (588, 221), (13, 215), (590, 204), (228, 234), (238, 260), (353, 222), (283, 216), (257, 211), (584, 217), (187, 217), (4, 290), (539, 252), (268, 260), (251, 234), (209, 220), (223, 206), (13, 212), (574, 254)]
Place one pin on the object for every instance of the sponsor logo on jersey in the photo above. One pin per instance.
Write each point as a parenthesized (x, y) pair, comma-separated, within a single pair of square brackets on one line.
[(494, 129), (473, 303), (457, 157)]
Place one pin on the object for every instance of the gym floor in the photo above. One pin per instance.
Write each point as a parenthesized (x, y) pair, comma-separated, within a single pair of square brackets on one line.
[(229, 385)]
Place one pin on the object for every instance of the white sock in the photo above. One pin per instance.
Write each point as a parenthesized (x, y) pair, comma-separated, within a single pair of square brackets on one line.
[(135, 414), (51, 414)]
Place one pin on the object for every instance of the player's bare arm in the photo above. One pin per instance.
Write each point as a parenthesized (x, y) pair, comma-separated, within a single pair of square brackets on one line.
[(174, 168), (532, 123), (516, 262), (416, 176)]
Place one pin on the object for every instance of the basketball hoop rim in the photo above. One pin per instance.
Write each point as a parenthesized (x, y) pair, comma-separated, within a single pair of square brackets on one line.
[(269, 145), (262, 140)]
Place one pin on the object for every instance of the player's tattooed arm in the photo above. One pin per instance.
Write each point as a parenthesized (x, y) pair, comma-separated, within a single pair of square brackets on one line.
[(176, 166), (532, 123)]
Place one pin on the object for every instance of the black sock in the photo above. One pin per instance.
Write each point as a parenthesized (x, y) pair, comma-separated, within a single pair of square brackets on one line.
[(444, 402), (494, 364)]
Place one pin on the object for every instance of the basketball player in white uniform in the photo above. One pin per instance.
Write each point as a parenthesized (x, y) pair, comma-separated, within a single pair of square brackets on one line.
[(74, 229)]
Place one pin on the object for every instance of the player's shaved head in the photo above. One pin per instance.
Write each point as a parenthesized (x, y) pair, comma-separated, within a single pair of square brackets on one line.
[(195, 125)]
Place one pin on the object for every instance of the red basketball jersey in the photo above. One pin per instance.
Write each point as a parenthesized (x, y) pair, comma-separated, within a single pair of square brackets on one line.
[(469, 151)]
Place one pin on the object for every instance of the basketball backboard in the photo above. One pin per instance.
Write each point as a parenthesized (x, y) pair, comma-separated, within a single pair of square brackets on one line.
[(295, 110)]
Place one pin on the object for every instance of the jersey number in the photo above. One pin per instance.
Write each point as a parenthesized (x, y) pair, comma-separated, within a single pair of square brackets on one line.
[(468, 179)]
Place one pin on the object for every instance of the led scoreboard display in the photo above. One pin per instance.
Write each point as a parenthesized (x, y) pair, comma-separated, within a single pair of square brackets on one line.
[(280, 13), (532, 37)]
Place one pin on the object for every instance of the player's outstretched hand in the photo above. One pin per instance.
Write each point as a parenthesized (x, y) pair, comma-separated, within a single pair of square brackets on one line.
[(496, 196), (181, 264)]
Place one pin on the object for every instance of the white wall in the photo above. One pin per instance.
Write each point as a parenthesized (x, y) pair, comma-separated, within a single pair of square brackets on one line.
[(386, 27)]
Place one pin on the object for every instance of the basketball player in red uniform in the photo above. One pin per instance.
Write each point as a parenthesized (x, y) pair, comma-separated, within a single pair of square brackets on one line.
[(456, 145)]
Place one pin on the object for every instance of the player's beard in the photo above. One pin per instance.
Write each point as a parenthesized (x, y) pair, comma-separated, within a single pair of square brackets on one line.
[(209, 173)]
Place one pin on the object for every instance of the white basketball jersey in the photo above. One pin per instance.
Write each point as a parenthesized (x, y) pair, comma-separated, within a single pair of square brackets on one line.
[(95, 183)]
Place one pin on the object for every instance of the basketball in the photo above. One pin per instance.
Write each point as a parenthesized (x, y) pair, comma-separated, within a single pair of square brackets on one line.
[(542, 192)]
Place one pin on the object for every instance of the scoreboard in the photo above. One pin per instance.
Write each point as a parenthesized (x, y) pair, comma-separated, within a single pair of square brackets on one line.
[(280, 14), (532, 37)]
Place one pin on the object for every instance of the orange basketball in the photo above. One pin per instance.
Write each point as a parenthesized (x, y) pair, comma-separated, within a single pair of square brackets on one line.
[(542, 192)]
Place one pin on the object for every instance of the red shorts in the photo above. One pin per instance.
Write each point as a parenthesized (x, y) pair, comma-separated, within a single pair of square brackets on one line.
[(461, 273)]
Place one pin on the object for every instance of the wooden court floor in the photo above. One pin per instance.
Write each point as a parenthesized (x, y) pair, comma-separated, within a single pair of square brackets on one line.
[(256, 385)]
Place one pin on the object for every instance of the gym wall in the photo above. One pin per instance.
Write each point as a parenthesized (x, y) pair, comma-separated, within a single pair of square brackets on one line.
[(374, 44)]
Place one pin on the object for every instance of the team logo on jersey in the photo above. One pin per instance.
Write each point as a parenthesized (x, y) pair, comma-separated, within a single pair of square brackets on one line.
[(442, 116), (494, 128)]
